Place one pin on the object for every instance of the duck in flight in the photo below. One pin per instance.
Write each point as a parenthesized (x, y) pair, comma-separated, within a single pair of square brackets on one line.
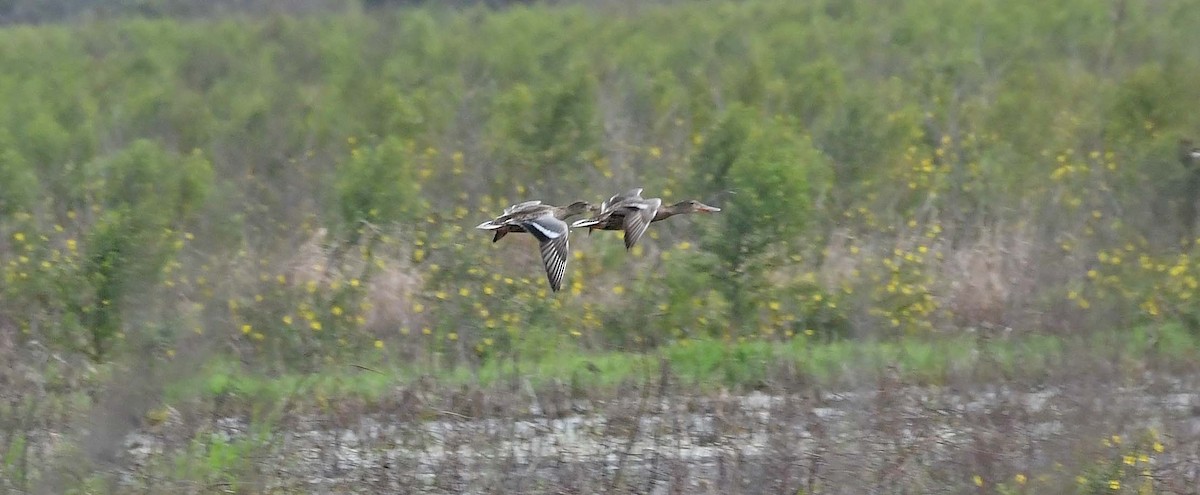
[(545, 223), (560, 212), (630, 212)]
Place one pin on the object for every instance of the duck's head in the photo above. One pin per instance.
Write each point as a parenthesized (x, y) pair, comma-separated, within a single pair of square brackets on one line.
[(692, 206)]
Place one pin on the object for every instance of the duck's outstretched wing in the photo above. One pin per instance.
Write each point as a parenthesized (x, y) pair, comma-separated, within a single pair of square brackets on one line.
[(505, 230), (551, 234), (521, 206), (509, 212), (638, 215), (635, 193)]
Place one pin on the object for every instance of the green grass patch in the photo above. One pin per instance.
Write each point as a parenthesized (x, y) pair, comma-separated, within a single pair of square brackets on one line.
[(712, 363)]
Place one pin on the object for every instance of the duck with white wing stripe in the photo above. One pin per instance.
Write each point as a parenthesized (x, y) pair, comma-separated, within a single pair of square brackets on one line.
[(545, 223)]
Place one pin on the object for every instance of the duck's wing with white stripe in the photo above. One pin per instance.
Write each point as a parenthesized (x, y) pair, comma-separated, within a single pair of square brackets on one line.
[(587, 222), (551, 234), (638, 216), (554, 257)]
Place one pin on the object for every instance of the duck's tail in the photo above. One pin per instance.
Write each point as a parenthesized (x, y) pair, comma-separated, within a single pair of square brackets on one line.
[(500, 229), (489, 225)]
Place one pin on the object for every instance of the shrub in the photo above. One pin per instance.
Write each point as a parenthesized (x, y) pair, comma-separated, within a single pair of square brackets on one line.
[(769, 172), (377, 185)]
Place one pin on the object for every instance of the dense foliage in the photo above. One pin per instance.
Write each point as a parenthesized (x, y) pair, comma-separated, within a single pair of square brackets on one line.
[(295, 185), (285, 189)]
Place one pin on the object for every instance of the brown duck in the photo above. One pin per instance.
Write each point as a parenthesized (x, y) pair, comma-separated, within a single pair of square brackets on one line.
[(502, 228), (632, 213), (545, 223)]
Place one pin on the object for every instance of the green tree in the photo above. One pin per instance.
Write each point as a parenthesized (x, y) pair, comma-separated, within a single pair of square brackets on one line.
[(148, 194), (377, 185), (769, 172)]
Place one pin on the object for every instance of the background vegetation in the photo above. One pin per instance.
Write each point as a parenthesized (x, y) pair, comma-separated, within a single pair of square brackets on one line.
[(277, 192)]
